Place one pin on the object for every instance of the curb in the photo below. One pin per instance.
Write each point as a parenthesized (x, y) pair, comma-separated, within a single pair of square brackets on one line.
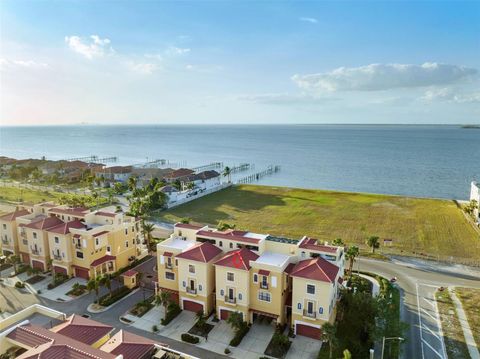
[(104, 309)]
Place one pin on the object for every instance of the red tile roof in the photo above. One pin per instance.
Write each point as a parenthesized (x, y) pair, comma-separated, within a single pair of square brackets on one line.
[(76, 211), (311, 244), (187, 225), (289, 268), (130, 273), (202, 252), (182, 172), (99, 233), (44, 223), (82, 329), (239, 259), (238, 236), (105, 214), (64, 228), (13, 215), (102, 260), (264, 272), (51, 345), (167, 254), (316, 269), (129, 345)]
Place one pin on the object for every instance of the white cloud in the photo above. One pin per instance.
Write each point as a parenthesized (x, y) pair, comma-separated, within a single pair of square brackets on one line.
[(143, 68), (6, 63), (172, 51), (447, 94), (91, 47), (378, 77), (311, 20), (285, 99)]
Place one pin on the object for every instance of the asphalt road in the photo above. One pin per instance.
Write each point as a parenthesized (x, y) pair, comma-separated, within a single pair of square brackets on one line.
[(418, 282)]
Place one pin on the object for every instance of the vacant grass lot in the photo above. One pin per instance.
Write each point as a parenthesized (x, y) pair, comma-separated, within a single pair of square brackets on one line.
[(470, 299), (13, 194), (432, 226)]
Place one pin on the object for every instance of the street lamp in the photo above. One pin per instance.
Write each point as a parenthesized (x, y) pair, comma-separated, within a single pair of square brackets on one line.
[(391, 338)]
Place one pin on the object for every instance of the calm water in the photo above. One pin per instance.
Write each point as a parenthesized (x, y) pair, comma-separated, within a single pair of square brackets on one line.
[(429, 161)]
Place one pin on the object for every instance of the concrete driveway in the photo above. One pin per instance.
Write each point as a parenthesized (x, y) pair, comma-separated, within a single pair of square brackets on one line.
[(255, 342), (218, 338), (303, 348), (181, 324)]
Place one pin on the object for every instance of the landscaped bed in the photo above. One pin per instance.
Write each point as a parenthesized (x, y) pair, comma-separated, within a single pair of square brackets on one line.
[(142, 307), (451, 327), (35, 279), (278, 346), (116, 295), (77, 290), (59, 279), (201, 331)]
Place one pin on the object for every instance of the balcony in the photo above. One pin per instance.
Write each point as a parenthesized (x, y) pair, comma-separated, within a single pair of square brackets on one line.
[(35, 251), (263, 285), (308, 314), (25, 242), (5, 241), (230, 300), (192, 291), (78, 245), (23, 234), (168, 265), (57, 257)]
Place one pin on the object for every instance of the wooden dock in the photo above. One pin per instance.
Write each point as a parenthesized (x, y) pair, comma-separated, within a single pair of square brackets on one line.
[(258, 175)]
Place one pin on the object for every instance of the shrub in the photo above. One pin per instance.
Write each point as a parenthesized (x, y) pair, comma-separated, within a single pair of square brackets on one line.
[(190, 338), (239, 334), (19, 285), (227, 351), (172, 311), (117, 294), (155, 329)]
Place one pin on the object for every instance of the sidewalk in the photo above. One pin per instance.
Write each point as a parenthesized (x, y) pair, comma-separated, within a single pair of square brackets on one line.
[(467, 332)]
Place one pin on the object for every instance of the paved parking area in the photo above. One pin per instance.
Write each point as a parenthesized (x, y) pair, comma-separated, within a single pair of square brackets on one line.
[(218, 338), (149, 319), (58, 293), (303, 348)]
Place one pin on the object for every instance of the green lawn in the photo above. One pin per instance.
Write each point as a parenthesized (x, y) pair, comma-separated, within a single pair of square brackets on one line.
[(13, 194), (470, 298), (428, 225)]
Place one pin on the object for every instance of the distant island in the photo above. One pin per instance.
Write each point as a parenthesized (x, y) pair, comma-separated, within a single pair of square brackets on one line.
[(471, 126)]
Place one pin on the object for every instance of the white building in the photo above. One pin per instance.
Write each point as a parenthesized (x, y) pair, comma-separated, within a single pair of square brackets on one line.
[(475, 195)]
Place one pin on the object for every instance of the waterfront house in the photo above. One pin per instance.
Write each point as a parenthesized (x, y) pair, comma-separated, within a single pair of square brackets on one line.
[(475, 196)]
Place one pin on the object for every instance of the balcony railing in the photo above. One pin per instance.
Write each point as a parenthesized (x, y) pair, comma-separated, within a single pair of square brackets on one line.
[(5, 241), (35, 251), (230, 300), (78, 246), (57, 257), (168, 265), (191, 291), (25, 242), (263, 285), (23, 234), (308, 314)]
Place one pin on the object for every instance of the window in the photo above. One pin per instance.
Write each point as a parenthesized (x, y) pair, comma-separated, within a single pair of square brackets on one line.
[(299, 306), (220, 244), (126, 231), (170, 275), (222, 292), (239, 296), (191, 268), (4, 226), (255, 278), (80, 255), (34, 235), (230, 277), (231, 245), (133, 229), (265, 296), (126, 244), (320, 310), (96, 241), (310, 289), (184, 284), (200, 287), (56, 240), (109, 249)]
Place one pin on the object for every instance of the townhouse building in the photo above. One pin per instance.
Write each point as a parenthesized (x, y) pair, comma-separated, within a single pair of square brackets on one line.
[(294, 282), (75, 241)]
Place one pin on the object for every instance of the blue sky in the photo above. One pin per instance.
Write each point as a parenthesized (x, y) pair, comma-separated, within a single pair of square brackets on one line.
[(239, 62)]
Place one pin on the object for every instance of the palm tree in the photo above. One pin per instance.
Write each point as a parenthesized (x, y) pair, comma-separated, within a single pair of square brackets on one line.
[(351, 254), (163, 298), (95, 196), (347, 354), (52, 270), (132, 183), (222, 226), (201, 319), (148, 228), (106, 281), (110, 195), (373, 242), (185, 220), (227, 172), (338, 242), (329, 334), (190, 185), (14, 260), (94, 284)]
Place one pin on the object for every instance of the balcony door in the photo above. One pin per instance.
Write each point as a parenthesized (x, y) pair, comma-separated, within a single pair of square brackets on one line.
[(310, 309), (231, 294), (192, 284)]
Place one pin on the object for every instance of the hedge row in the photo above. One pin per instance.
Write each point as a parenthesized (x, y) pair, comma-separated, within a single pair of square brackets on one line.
[(172, 311), (117, 294), (239, 334), (190, 338)]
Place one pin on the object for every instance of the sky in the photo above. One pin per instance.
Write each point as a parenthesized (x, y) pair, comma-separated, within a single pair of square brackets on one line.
[(239, 62)]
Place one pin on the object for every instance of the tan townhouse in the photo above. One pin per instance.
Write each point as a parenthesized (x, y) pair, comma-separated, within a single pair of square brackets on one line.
[(294, 282), (9, 235)]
